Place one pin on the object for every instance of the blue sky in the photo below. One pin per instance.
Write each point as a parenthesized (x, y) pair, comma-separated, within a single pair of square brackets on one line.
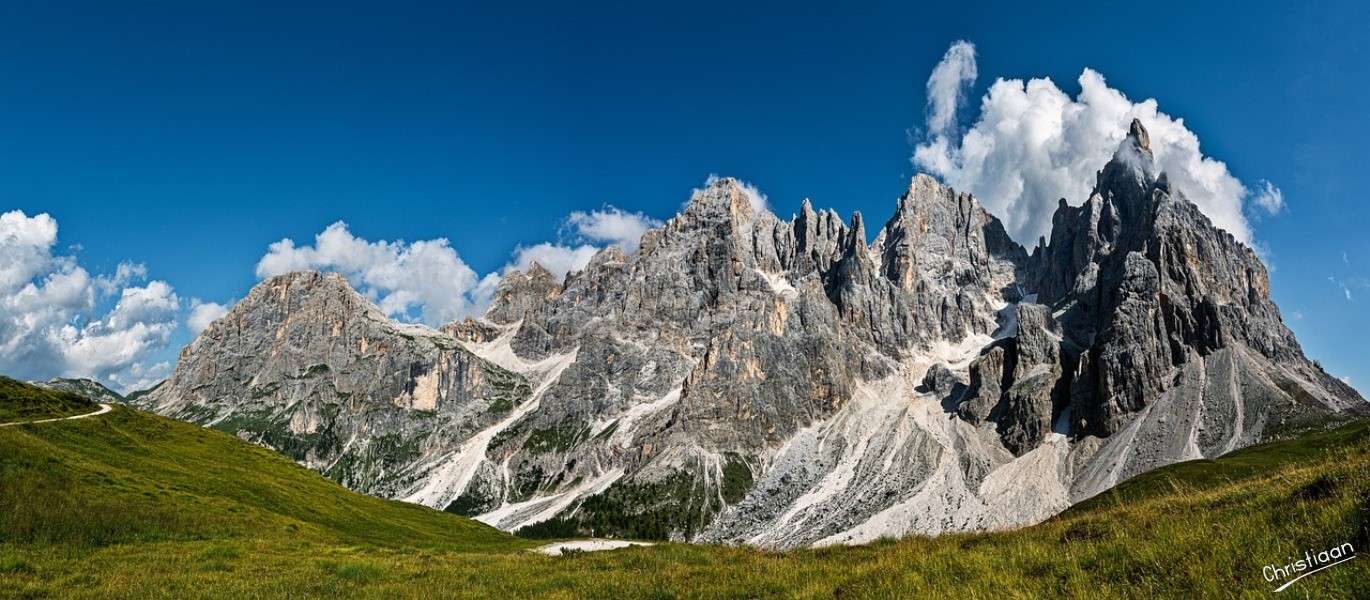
[(189, 138)]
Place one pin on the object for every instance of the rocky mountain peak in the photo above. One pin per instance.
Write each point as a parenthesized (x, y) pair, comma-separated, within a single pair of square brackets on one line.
[(521, 292), (1159, 297), (856, 238), (723, 198), (938, 233), (745, 379), (306, 365), (540, 273), (1137, 133), (1132, 170)]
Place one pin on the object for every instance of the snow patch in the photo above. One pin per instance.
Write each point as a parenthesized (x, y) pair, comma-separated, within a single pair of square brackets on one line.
[(559, 548)]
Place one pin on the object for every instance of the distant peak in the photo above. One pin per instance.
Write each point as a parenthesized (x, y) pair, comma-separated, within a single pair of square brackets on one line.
[(924, 190), (1138, 134), (923, 180), (537, 271), (723, 182), (307, 277), (1133, 160), (858, 231), (721, 197)]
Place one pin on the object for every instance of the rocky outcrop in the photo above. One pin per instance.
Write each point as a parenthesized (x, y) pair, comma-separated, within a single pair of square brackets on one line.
[(1161, 301), (522, 292), (87, 388), (307, 366), (747, 379)]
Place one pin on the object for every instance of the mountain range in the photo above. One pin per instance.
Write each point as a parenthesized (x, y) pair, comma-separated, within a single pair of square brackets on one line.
[(740, 378)]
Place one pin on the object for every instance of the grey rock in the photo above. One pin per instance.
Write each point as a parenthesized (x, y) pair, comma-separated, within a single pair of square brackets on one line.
[(307, 366), (88, 388), (522, 292), (745, 379)]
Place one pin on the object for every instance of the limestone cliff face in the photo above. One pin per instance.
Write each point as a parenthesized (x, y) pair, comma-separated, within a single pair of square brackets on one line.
[(307, 366), (743, 378)]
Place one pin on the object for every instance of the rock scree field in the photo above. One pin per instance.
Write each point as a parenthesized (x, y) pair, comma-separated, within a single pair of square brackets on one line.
[(133, 505)]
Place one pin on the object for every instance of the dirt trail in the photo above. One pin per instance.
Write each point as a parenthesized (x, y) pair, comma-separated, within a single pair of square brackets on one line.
[(104, 408)]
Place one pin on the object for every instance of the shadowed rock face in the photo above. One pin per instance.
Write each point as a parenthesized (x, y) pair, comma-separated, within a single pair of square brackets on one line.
[(742, 378), (1153, 291)]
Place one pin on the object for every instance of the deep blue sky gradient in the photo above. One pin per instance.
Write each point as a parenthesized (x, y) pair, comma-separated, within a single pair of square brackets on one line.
[(188, 136)]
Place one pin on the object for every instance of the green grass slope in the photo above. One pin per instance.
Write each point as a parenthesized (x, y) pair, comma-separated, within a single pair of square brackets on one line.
[(20, 401), (133, 505)]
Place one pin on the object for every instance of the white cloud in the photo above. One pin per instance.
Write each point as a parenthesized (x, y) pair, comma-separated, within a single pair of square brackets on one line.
[(613, 226), (141, 377), (141, 323), (558, 259), (1345, 289), (50, 324), (27, 246), (757, 199), (1032, 144), (400, 277), (428, 277), (946, 86), (202, 314), (1268, 197), (588, 233)]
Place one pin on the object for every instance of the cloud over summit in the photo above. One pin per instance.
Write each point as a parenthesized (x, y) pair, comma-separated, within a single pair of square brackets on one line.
[(1032, 144), (427, 281), (424, 280)]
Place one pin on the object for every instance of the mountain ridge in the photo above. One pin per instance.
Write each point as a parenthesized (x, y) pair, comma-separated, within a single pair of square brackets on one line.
[(742, 378)]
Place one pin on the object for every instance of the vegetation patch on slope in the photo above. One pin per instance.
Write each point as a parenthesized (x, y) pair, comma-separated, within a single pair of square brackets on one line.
[(133, 505), (20, 401)]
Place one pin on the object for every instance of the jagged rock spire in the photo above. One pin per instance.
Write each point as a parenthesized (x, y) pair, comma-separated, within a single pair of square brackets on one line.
[(1138, 134)]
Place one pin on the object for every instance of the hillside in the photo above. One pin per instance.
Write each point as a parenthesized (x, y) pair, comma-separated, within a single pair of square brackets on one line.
[(130, 504), (23, 402), (740, 377)]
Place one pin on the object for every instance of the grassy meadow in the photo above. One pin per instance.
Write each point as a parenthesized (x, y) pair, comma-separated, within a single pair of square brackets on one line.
[(132, 505), (23, 402)]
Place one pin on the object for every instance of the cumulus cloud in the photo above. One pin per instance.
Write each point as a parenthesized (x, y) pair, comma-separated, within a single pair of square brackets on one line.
[(425, 280), (557, 258), (585, 234), (202, 314), (1268, 197), (611, 225), (1033, 144), (140, 323), (50, 318)]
